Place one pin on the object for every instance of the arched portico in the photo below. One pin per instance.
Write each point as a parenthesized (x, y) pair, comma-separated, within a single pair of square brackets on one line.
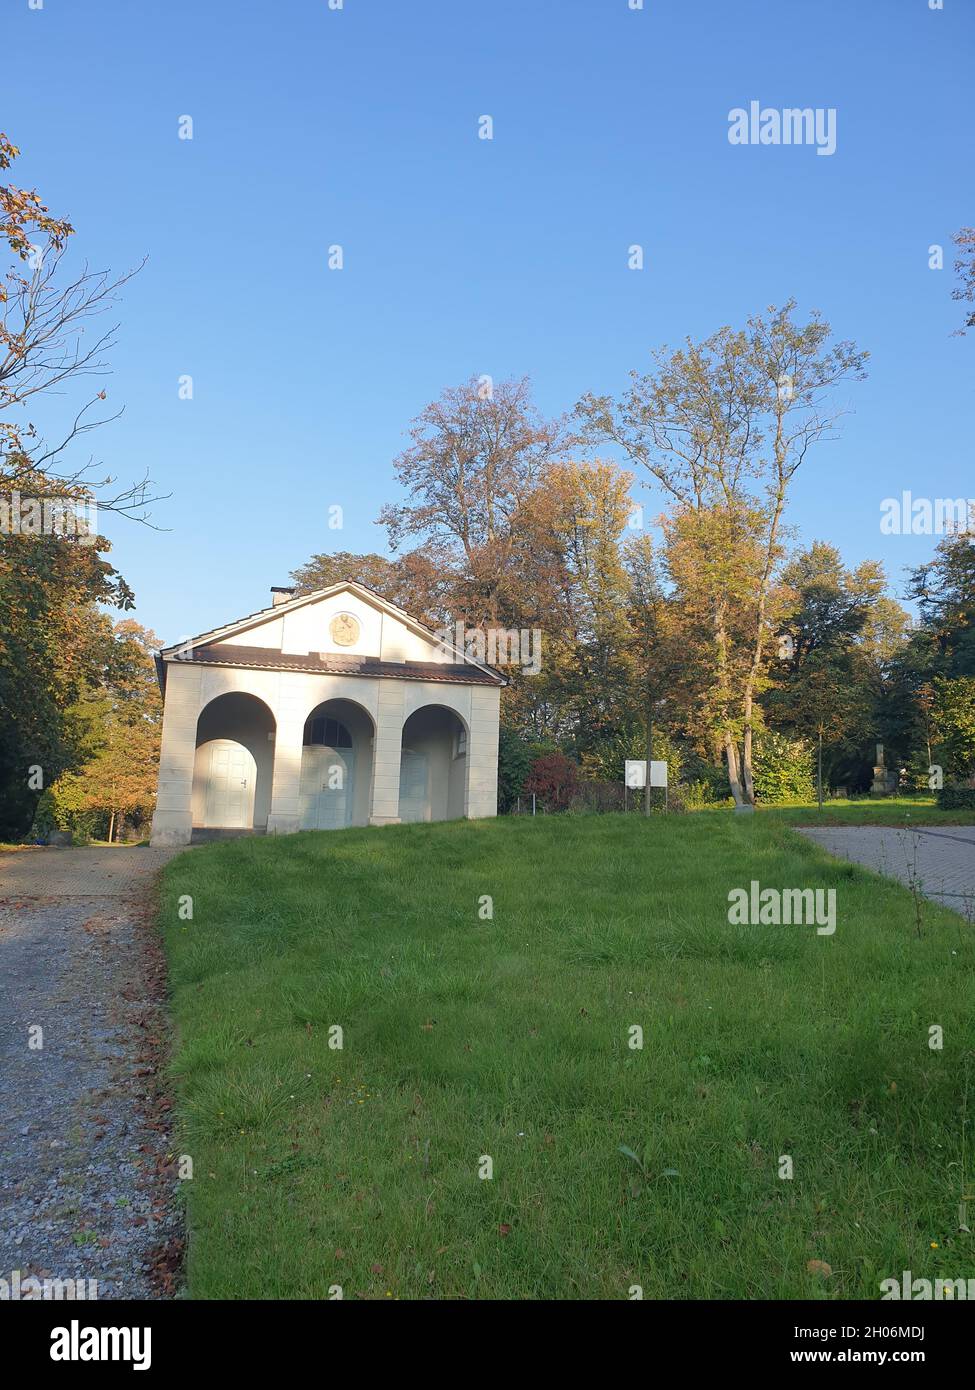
[(336, 766), (233, 763), (433, 765)]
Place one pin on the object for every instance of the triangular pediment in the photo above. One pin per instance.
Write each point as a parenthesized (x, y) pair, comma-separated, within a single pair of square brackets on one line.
[(343, 620)]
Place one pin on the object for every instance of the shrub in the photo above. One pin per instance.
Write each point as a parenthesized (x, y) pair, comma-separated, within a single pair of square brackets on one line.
[(598, 797), (605, 761), (694, 796), (913, 776), (705, 783), (957, 798), (554, 779), (782, 769), (514, 765), (62, 808)]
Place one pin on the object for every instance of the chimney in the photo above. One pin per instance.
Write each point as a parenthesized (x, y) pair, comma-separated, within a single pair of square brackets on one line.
[(280, 595)]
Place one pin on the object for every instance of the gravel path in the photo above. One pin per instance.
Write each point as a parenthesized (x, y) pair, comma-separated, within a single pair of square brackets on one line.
[(87, 1186), (940, 860)]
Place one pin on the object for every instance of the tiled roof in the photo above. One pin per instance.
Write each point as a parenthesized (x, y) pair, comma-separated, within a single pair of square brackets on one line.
[(331, 663)]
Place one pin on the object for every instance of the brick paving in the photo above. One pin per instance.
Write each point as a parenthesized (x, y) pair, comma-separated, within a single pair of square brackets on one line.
[(940, 860), (80, 873)]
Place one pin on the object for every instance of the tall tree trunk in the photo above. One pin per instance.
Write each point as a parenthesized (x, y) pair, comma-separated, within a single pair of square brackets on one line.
[(111, 827), (730, 750), (649, 687), (746, 757), (819, 770), (646, 790), (734, 779), (765, 584)]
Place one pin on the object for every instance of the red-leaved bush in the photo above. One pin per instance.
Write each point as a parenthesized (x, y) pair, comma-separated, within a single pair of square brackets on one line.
[(554, 780)]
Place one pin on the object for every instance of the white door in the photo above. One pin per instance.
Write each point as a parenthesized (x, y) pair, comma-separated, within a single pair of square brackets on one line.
[(326, 786), (231, 780), (413, 776)]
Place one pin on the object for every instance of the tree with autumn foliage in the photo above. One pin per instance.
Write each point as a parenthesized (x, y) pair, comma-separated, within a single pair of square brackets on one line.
[(965, 270), (568, 569), (476, 456), (48, 341), (120, 781), (53, 651), (22, 213), (414, 580), (118, 778), (673, 644), (52, 637), (722, 427)]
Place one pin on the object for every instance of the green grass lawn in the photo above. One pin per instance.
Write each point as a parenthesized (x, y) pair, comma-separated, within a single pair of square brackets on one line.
[(893, 810), (465, 1037)]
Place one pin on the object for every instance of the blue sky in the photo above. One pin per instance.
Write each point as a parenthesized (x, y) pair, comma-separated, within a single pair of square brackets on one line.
[(462, 256)]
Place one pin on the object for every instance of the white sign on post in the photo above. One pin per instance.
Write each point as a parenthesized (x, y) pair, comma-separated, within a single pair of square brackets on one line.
[(635, 774), (658, 774)]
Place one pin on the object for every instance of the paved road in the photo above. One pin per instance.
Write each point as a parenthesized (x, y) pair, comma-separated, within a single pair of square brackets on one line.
[(86, 1186), (80, 873), (939, 859)]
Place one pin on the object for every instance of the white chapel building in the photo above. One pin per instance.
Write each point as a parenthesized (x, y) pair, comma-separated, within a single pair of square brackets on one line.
[(331, 709)]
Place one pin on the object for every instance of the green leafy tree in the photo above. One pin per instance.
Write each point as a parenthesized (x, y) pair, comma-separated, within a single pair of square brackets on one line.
[(839, 635), (944, 589), (954, 723)]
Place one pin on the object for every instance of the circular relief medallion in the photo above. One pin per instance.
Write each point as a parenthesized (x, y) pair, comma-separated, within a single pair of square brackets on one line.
[(344, 629)]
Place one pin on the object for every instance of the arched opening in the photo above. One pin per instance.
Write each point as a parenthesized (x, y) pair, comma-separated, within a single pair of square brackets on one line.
[(234, 764), (336, 766), (433, 765)]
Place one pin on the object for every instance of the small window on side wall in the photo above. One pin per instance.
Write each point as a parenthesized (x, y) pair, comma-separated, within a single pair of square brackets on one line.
[(460, 743)]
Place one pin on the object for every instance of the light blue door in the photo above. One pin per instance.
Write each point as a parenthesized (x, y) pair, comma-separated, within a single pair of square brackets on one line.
[(326, 787), (413, 777), (231, 780)]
